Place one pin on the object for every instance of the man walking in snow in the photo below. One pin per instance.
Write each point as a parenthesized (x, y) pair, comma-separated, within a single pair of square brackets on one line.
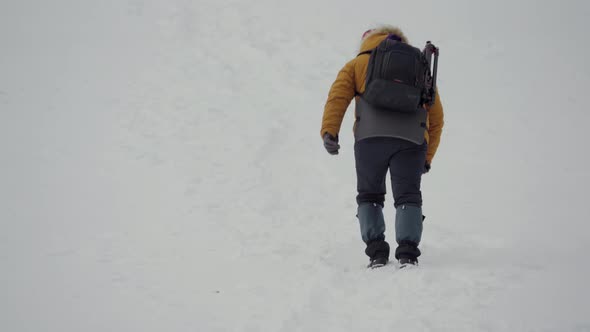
[(403, 143)]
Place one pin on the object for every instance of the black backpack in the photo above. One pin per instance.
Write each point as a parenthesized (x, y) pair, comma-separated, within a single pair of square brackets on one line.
[(399, 77)]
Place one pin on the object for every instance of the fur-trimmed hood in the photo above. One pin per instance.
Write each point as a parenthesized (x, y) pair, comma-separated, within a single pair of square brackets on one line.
[(375, 36)]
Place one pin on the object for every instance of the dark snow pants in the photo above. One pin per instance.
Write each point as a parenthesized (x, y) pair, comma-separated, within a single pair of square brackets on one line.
[(405, 162)]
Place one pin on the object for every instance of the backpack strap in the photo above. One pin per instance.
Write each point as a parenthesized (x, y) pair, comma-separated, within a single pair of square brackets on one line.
[(365, 52), (356, 93)]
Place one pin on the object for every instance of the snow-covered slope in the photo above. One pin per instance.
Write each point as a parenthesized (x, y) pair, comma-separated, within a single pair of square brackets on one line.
[(162, 169)]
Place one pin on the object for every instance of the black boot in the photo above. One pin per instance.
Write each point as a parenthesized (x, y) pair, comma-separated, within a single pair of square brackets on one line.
[(378, 252), (378, 262), (407, 253), (405, 261)]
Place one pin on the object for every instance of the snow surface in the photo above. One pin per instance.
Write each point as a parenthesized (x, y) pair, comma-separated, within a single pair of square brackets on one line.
[(162, 169)]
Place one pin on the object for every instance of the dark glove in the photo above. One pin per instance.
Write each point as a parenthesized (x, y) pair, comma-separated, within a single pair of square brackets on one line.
[(426, 168), (331, 144)]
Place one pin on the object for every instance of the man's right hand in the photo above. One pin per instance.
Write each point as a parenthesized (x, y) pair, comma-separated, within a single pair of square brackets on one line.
[(331, 144)]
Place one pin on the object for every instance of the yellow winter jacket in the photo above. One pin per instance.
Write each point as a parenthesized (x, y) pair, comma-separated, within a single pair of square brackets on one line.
[(351, 79)]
